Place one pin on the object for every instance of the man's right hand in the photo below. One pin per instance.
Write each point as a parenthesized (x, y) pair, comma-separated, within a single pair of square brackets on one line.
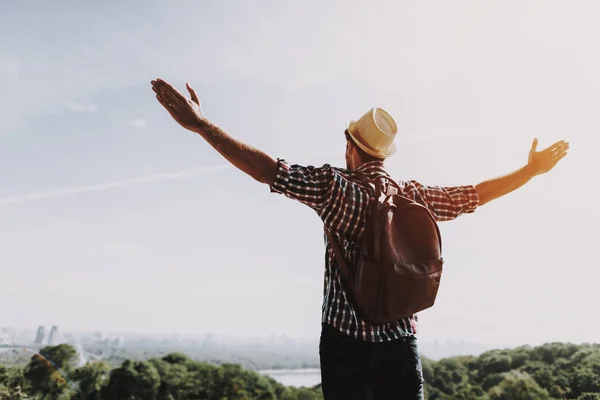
[(542, 161), (186, 112)]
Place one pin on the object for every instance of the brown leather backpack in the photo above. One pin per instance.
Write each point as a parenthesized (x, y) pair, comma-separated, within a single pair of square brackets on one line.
[(399, 265)]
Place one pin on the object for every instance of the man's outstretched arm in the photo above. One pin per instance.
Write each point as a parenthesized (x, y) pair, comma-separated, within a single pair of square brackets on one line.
[(539, 163), (188, 114)]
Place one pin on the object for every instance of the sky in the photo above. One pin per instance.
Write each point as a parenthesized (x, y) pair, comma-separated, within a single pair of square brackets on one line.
[(115, 218)]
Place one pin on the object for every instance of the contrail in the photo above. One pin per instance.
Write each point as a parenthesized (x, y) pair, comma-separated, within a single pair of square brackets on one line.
[(186, 173)]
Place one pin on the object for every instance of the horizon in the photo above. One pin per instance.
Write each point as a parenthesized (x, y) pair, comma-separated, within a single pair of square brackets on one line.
[(194, 335), (115, 217)]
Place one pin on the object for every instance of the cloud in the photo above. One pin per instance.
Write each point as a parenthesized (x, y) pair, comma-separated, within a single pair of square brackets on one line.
[(187, 173), (138, 123), (81, 107)]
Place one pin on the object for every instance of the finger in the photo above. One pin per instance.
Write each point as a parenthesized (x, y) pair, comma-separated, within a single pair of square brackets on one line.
[(165, 101), (559, 157), (559, 151), (166, 105), (170, 97), (559, 145), (534, 145), (192, 93), (560, 148), (163, 83), (556, 148), (168, 91)]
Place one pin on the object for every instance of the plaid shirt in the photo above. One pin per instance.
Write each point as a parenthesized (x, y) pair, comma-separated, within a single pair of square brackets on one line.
[(341, 202)]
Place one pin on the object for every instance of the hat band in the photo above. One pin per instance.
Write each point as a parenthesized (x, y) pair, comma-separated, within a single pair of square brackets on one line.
[(362, 143)]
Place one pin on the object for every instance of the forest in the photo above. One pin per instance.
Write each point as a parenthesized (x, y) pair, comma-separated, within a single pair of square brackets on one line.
[(551, 371)]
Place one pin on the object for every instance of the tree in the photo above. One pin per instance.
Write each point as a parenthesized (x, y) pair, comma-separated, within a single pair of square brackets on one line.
[(586, 379), (176, 358), (517, 386), (8, 393), (448, 374), (91, 379), (589, 396), (550, 352), (495, 364), (47, 371), (520, 356), (133, 380), (491, 380), (12, 380), (175, 380), (540, 371)]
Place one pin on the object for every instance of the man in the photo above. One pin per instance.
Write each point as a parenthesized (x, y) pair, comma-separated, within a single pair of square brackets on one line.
[(358, 360)]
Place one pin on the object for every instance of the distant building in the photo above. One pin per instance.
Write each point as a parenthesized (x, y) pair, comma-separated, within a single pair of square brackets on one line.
[(53, 337), (39, 338)]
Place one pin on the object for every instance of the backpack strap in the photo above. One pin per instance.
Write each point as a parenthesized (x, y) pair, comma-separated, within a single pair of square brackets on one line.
[(337, 251), (366, 181), (376, 188)]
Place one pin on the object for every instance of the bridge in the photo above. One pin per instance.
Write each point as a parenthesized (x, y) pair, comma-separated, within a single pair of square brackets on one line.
[(35, 347)]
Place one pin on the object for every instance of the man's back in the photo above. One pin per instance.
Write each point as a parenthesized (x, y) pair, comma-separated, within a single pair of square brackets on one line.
[(341, 201)]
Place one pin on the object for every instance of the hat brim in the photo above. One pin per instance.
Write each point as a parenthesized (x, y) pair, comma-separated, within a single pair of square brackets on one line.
[(351, 128)]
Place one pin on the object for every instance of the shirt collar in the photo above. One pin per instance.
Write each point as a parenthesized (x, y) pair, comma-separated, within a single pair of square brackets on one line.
[(372, 168)]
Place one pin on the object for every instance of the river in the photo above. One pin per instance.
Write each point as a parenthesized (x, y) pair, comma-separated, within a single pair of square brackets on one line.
[(295, 377)]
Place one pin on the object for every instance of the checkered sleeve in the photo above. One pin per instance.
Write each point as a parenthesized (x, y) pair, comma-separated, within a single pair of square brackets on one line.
[(308, 184), (448, 202)]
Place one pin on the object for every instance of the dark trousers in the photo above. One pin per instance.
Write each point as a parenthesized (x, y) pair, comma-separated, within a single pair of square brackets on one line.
[(355, 370)]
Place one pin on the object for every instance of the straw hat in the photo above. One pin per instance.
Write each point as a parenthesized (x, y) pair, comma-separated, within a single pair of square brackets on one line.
[(374, 133)]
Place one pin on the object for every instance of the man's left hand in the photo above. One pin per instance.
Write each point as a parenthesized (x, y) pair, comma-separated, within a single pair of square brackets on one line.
[(185, 111), (543, 161)]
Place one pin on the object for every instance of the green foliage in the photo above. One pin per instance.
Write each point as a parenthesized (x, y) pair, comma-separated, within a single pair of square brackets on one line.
[(517, 385), (7, 393), (133, 380), (449, 374), (91, 379), (553, 371), (491, 380), (172, 377), (589, 396), (13, 385), (496, 364), (45, 372)]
